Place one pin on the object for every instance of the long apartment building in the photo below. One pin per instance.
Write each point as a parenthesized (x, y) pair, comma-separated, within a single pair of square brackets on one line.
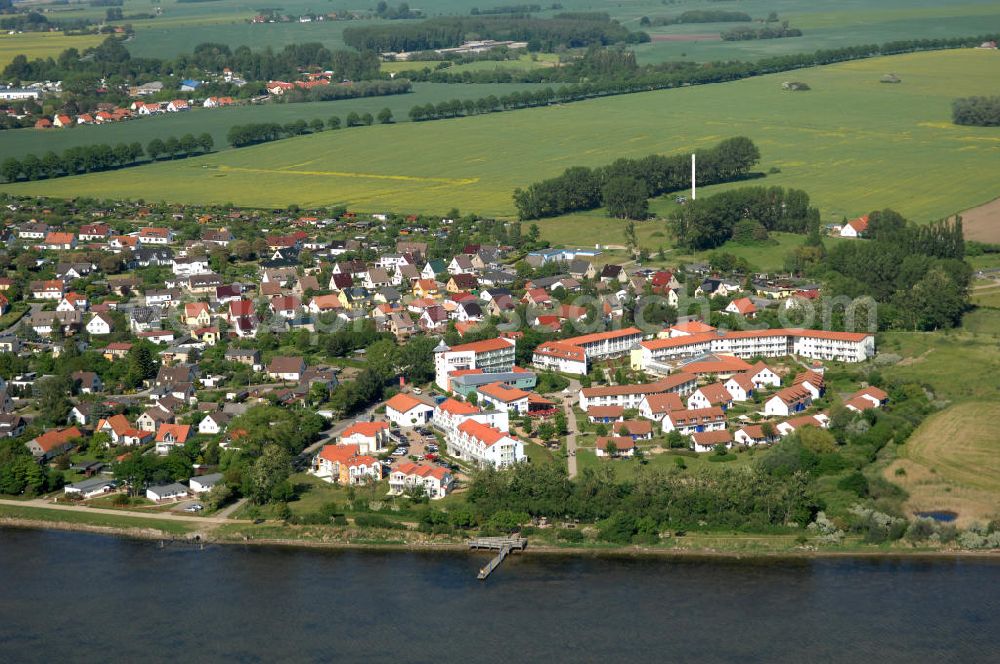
[(630, 396), (489, 355), (575, 354), (485, 445), (814, 344)]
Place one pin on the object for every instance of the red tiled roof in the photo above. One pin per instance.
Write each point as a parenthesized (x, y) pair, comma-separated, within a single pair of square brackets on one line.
[(366, 429)]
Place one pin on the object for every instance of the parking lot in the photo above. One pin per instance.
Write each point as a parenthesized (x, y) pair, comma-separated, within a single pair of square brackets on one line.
[(417, 443)]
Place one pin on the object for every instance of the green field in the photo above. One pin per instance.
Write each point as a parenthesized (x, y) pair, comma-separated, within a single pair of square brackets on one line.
[(217, 121), (952, 462), (853, 143), (41, 45), (826, 24)]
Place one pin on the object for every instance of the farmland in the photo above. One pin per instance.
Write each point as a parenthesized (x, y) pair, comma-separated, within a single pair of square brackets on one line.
[(853, 143), (218, 121), (42, 44), (182, 26)]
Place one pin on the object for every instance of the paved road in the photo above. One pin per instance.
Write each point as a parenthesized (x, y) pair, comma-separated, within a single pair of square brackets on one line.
[(330, 434), (574, 389), (168, 516)]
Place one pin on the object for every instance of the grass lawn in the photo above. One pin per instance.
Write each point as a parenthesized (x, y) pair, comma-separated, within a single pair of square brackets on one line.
[(853, 143), (960, 365), (83, 517), (538, 453)]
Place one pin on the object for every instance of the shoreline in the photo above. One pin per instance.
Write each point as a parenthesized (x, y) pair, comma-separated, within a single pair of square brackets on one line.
[(150, 534)]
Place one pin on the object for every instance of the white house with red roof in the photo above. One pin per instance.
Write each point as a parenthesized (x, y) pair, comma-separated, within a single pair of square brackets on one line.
[(369, 437), (436, 481), (742, 306), (405, 410), (855, 228), (688, 422), (490, 355), (501, 397), (788, 401), (714, 394), (484, 445), (345, 464), (705, 441), (867, 399)]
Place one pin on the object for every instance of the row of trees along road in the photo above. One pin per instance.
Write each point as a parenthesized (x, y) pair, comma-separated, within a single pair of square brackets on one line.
[(102, 157)]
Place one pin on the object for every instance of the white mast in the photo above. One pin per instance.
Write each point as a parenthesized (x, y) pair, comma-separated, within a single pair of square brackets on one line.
[(693, 184)]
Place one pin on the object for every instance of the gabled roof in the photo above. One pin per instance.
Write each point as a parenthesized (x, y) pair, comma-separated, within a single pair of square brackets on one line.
[(404, 403), (57, 438), (366, 429)]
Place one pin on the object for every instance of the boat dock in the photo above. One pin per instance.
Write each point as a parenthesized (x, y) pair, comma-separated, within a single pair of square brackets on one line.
[(502, 545)]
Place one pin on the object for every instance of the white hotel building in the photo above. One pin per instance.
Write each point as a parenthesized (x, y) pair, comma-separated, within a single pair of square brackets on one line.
[(813, 344), (574, 355), (485, 445), (490, 355)]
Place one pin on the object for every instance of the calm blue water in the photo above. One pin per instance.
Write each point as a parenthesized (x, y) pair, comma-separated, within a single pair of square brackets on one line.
[(68, 597)]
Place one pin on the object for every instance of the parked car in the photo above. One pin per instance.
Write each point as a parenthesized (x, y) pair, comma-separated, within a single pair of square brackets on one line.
[(400, 451), (194, 508)]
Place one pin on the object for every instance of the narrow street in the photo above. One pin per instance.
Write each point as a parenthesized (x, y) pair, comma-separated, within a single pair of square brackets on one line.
[(169, 516), (574, 391)]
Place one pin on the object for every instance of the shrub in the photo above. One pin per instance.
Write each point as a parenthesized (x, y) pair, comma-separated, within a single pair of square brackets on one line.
[(570, 535)]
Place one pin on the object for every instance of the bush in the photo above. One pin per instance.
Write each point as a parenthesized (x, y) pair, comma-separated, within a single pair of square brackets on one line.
[(377, 521), (855, 483), (570, 535)]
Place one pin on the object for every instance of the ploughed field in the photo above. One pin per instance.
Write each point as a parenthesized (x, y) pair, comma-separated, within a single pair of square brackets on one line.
[(853, 143)]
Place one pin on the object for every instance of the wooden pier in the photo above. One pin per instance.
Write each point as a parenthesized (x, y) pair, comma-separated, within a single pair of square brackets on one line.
[(502, 545)]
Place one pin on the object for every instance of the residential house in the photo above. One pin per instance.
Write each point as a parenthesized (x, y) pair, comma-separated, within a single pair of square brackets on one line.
[(367, 437), (99, 324), (286, 368), (54, 442), (707, 441), (346, 465), (688, 422), (788, 401), (614, 446), (169, 436), (405, 410), (435, 481)]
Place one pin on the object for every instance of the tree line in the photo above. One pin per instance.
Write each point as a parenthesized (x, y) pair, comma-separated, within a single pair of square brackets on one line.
[(102, 157), (698, 16), (562, 30), (240, 136), (377, 88), (976, 111), (582, 188), (506, 9), (111, 58), (767, 32), (710, 222)]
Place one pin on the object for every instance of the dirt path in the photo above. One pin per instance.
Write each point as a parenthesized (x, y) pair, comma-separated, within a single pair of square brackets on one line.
[(167, 516)]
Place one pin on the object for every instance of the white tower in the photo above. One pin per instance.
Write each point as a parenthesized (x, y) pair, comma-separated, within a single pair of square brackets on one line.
[(693, 182)]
